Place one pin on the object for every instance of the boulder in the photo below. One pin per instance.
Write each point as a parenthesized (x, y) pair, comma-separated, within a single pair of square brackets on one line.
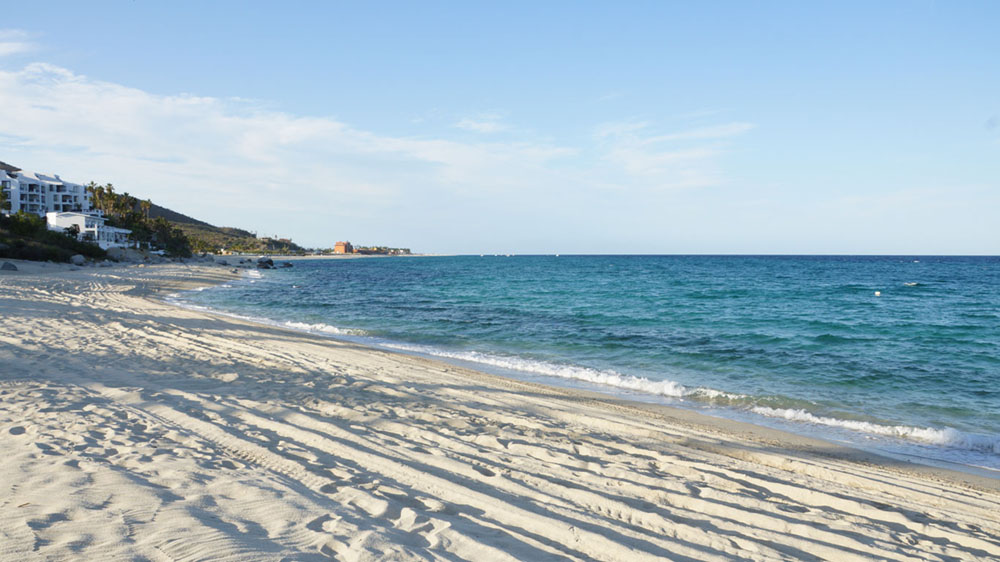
[(7, 266), (116, 254), (222, 262), (78, 259), (265, 262), (286, 264), (105, 263)]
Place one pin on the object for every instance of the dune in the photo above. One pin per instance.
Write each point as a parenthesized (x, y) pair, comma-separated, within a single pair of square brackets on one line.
[(134, 429)]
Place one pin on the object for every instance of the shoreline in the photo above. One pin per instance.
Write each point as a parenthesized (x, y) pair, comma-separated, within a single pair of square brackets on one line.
[(777, 438), (416, 455), (940, 446), (774, 437), (329, 256)]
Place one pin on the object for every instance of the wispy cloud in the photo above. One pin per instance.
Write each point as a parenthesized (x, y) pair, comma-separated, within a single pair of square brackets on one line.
[(679, 159), (704, 133), (487, 123), (234, 161), (168, 145), (14, 41)]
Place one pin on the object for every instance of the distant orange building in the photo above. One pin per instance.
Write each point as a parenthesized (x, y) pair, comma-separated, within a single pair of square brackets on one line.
[(343, 248)]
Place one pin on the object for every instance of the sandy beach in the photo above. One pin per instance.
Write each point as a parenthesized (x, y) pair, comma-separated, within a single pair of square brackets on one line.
[(134, 429)]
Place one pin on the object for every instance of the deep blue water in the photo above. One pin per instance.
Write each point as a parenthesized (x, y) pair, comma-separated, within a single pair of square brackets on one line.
[(802, 342)]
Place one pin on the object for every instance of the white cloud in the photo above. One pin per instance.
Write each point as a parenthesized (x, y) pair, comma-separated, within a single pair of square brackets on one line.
[(183, 148), (14, 41), (234, 162), (715, 132), (482, 124), (681, 159)]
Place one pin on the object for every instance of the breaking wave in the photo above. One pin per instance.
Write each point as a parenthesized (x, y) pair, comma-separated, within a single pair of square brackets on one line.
[(606, 377), (947, 437)]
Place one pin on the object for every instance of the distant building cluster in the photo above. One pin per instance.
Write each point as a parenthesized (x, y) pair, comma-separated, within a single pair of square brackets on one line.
[(348, 248), (63, 204)]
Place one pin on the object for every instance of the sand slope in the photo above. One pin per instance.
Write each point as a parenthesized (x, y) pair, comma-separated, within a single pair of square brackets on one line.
[(131, 429)]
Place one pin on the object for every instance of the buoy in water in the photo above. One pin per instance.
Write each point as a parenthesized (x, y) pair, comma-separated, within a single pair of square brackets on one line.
[(878, 293)]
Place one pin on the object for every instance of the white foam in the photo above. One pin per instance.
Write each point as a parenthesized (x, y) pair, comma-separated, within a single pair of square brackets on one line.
[(323, 329), (606, 377), (947, 437), (176, 299)]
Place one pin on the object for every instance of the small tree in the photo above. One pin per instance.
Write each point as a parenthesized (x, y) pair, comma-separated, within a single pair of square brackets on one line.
[(73, 231)]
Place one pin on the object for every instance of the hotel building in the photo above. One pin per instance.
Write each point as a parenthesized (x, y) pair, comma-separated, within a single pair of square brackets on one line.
[(61, 203)]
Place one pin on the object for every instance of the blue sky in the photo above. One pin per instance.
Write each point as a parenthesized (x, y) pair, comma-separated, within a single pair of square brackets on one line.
[(725, 127)]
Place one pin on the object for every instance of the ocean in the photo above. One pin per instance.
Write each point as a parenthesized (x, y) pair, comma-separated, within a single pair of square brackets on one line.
[(895, 354)]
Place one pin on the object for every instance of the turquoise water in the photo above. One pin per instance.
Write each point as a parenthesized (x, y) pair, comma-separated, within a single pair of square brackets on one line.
[(803, 343)]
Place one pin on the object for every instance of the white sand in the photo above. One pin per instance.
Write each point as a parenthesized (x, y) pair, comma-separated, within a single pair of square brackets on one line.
[(131, 429)]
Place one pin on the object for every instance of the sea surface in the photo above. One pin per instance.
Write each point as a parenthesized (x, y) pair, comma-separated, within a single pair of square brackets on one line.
[(896, 354)]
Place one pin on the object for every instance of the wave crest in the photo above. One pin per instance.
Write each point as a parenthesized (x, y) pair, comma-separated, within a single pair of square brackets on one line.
[(606, 377), (947, 437)]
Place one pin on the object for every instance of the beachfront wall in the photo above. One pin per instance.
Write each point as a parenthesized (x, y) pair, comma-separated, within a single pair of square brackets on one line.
[(41, 193), (91, 227)]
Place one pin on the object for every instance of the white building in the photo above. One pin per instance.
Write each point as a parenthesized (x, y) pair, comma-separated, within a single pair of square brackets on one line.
[(91, 227), (62, 204), (41, 193)]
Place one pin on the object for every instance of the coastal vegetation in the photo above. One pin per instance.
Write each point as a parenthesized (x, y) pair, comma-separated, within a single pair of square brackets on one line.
[(178, 234), (126, 211), (206, 237)]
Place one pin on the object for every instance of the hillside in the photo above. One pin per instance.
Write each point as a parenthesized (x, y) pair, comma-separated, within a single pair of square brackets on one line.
[(152, 225), (156, 211), (209, 238)]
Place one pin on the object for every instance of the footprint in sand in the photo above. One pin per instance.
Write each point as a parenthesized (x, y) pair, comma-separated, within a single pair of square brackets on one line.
[(792, 508), (484, 471), (434, 506), (18, 430), (321, 524)]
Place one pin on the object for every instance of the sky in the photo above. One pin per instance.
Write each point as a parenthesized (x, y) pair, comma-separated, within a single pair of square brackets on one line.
[(526, 127)]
